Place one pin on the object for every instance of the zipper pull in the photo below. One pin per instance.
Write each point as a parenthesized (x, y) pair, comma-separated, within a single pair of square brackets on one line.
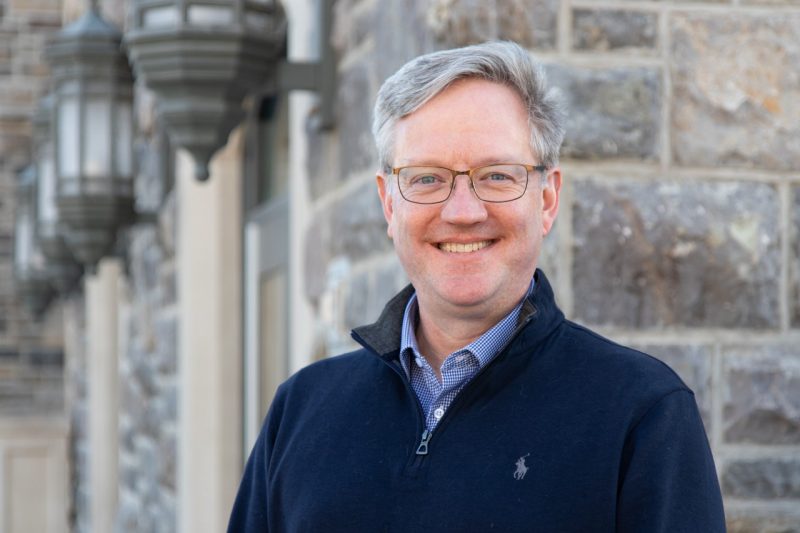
[(422, 449)]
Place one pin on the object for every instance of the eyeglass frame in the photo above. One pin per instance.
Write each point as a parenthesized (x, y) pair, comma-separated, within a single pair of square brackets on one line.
[(468, 173)]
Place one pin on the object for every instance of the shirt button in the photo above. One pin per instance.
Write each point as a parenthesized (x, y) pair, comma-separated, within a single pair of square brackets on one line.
[(418, 360), (438, 413)]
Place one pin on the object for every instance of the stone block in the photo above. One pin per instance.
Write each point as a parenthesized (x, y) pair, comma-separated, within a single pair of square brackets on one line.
[(761, 394), (352, 228), (389, 279), (550, 258), (403, 33), (531, 23), (693, 364), (736, 109), (322, 163), (356, 301), (761, 479), (366, 295), (611, 113), (167, 221), (356, 147), (700, 254), (353, 24), (762, 522), (166, 356), (24, 6), (612, 29), (794, 260), (169, 285), (44, 21), (168, 451), (133, 400)]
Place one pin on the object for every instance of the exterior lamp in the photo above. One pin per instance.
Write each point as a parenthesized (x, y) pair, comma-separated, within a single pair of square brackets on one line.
[(61, 266), (201, 58), (30, 270), (93, 133)]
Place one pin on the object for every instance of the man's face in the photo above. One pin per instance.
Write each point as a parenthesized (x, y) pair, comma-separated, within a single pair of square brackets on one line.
[(472, 123)]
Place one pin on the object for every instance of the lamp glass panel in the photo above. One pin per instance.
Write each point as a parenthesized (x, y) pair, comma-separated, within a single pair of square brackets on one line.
[(97, 148), (201, 15), (68, 137), (123, 142), (48, 212), (160, 17), (23, 234)]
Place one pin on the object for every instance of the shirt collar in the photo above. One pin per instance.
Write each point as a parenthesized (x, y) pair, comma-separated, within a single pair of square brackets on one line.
[(484, 348)]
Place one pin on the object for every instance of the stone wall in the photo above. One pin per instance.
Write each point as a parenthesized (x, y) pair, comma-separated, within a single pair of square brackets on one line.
[(678, 230), (148, 323), (31, 359)]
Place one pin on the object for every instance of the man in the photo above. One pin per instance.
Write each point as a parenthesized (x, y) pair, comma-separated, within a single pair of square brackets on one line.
[(473, 404)]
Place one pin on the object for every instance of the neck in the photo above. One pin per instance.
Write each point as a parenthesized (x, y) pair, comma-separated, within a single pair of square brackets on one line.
[(439, 334)]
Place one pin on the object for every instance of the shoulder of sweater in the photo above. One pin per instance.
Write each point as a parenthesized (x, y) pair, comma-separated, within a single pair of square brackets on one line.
[(624, 364), (336, 371)]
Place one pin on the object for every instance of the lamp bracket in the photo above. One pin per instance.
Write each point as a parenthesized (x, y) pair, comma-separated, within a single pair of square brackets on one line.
[(318, 76)]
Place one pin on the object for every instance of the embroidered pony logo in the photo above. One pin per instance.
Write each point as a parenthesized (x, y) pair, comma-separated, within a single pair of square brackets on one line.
[(522, 469)]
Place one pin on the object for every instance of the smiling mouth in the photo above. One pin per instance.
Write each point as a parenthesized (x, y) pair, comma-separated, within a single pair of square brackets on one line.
[(462, 248)]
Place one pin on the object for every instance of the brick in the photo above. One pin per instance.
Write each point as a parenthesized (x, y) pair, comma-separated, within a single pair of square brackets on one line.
[(761, 479), (531, 23), (700, 254), (614, 113), (736, 109), (693, 364), (612, 29), (761, 394)]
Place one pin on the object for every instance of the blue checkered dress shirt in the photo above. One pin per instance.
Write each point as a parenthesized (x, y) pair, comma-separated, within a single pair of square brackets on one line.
[(458, 368)]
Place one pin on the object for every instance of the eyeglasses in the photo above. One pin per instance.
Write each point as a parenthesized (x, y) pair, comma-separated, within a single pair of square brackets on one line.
[(500, 182)]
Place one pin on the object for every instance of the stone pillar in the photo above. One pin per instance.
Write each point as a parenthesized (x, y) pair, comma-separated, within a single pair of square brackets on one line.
[(210, 345), (102, 289)]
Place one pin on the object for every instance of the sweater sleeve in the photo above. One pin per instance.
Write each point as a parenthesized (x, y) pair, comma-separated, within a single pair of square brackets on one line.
[(668, 482), (250, 509)]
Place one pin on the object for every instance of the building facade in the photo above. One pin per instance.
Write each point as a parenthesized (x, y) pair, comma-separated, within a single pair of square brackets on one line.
[(678, 234)]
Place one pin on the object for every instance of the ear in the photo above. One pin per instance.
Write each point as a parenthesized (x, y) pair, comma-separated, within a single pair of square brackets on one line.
[(384, 186), (550, 195)]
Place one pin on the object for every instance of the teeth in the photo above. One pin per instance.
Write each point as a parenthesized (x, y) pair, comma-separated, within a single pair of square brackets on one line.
[(459, 248)]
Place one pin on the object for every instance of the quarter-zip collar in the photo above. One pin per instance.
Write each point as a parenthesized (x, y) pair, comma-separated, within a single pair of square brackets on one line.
[(538, 317)]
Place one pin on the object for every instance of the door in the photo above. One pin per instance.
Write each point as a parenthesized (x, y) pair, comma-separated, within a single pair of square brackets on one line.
[(266, 263)]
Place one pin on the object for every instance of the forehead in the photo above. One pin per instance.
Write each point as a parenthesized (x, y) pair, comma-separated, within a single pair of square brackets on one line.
[(470, 122)]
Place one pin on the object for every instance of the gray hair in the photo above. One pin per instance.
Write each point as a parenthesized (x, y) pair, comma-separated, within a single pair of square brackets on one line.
[(504, 62)]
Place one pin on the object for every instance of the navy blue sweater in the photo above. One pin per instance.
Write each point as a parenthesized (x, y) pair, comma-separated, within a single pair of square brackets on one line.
[(563, 432)]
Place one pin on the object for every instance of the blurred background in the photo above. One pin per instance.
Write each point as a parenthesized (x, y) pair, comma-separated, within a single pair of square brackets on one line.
[(188, 215)]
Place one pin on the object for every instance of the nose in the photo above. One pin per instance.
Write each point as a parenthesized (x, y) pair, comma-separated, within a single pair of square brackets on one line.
[(463, 207)]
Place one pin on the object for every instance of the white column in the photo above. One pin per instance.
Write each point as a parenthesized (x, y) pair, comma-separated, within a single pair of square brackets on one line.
[(303, 46), (210, 340), (102, 346)]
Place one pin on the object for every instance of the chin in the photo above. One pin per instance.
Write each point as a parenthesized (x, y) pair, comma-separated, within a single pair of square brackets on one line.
[(467, 296)]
